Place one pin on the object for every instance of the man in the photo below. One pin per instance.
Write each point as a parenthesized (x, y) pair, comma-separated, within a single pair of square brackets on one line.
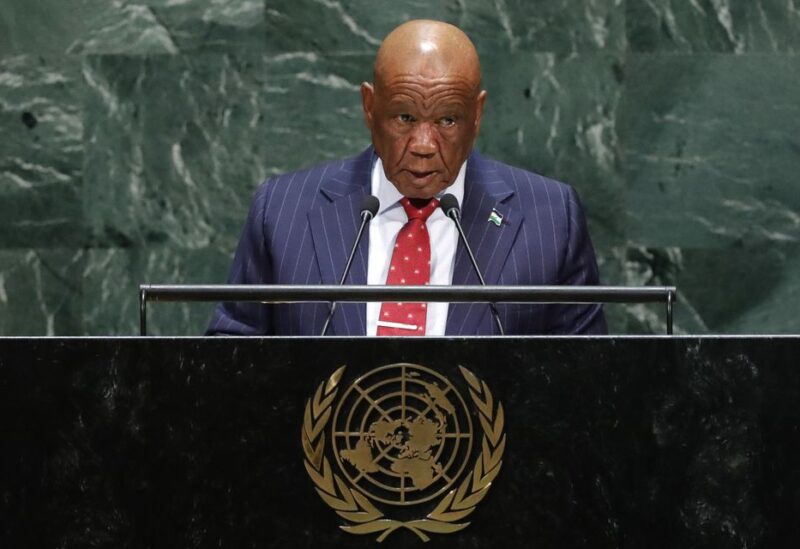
[(424, 111)]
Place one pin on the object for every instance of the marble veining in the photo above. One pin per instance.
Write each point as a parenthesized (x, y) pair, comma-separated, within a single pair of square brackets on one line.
[(717, 25)]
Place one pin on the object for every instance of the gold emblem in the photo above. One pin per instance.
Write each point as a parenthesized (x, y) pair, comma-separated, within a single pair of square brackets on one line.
[(401, 437)]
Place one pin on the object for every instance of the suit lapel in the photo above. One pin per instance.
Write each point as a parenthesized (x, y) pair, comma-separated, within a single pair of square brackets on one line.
[(334, 225), (484, 191)]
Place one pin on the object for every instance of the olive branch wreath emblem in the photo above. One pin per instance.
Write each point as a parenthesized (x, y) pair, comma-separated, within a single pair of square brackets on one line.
[(353, 506)]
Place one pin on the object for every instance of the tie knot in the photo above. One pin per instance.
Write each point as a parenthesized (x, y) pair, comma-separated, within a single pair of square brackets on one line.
[(419, 208)]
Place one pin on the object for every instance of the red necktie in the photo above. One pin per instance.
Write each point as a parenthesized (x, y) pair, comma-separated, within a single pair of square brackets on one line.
[(410, 266)]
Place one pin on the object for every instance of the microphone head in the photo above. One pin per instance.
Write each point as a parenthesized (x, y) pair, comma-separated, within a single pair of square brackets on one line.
[(449, 205), (370, 206)]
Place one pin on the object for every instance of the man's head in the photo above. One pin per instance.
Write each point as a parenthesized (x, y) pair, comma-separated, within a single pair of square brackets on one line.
[(424, 107)]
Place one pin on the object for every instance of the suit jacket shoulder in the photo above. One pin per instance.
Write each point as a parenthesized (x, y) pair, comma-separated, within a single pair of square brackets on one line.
[(544, 215), (524, 182), (296, 232), (526, 229), (302, 190)]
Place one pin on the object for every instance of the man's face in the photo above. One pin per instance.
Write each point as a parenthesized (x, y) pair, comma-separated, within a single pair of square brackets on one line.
[(422, 128)]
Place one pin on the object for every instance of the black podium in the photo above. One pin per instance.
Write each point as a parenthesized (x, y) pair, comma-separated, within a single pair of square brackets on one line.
[(601, 442)]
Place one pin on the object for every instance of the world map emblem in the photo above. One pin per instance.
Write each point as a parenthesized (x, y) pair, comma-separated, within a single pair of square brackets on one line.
[(401, 438)]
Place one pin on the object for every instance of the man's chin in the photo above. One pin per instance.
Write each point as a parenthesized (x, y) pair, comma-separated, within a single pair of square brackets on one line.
[(421, 187)]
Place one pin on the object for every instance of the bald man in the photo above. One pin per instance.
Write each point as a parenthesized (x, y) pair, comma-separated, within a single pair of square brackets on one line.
[(423, 111)]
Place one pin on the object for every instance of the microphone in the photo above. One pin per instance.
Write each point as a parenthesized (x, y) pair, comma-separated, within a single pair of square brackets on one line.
[(449, 205), (369, 207)]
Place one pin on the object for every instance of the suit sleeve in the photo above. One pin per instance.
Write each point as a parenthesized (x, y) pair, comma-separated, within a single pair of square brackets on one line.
[(252, 264), (578, 268)]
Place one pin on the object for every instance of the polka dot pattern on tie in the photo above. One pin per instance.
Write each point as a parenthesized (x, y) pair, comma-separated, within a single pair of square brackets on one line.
[(410, 266)]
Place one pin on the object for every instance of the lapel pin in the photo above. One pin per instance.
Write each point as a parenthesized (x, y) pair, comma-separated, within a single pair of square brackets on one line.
[(495, 218)]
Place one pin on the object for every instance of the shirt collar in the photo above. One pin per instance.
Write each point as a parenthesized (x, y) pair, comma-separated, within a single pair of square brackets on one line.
[(389, 196)]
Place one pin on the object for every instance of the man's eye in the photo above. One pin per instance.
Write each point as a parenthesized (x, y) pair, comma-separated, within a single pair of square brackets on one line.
[(405, 118), (447, 121)]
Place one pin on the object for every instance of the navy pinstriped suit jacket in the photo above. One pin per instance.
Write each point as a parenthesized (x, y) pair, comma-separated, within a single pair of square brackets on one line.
[(301, 226)]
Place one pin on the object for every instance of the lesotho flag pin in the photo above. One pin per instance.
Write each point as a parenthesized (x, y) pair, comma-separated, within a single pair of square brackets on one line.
[(495, 218)]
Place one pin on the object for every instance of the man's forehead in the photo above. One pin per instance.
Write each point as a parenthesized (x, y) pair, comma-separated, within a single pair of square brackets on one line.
[(451, 86)]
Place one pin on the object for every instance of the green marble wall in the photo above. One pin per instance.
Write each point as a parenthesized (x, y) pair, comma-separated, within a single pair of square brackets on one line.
[(132, 134)]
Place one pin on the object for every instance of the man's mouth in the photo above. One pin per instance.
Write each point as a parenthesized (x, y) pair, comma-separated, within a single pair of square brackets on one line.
[(421, 175)]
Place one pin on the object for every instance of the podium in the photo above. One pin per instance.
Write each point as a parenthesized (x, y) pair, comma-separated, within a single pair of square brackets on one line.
[(210, 442)]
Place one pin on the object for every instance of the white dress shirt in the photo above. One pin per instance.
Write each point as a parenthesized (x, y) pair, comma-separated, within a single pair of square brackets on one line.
[(383, 231)]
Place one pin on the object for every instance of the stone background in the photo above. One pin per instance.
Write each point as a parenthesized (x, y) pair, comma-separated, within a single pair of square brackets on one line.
[(133, 133)]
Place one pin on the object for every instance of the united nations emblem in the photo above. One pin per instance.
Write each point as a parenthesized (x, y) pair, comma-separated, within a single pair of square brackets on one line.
[(402, 438)]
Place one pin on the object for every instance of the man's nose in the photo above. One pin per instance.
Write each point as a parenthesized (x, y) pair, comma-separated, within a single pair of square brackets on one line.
[(423, 140)]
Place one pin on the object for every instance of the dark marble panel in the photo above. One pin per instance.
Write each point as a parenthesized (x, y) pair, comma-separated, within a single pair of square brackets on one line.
[(639, 266), (658, 443), (41, 152), (333, 26), (176, 145), (711, 149), (314, 108), (45, 26), (557, 117), (743, 289), (561, 26), (131, 28), (212, 26), (111, 282), (40, 292), (565, 26), (735, 26), (164, 26)]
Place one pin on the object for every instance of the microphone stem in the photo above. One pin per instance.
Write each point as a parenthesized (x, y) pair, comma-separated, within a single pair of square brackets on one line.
[(453, 214), (469, 251), (365, 218)]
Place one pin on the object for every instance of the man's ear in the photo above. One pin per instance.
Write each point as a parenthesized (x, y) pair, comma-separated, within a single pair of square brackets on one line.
[(367, 99), (479, 103)]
